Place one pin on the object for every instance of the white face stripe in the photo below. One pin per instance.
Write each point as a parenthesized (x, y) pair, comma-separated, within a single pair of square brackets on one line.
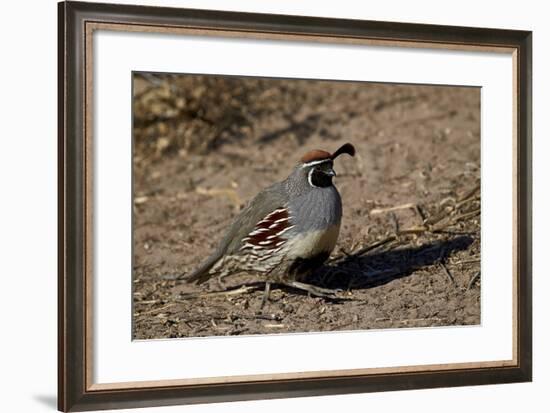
[(309, 179), (316, 162)]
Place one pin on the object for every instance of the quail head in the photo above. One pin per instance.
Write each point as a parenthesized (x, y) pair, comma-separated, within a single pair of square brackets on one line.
[(287, 230)]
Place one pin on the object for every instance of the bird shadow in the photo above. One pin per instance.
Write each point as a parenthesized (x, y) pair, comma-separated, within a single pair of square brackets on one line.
[(379, 268)]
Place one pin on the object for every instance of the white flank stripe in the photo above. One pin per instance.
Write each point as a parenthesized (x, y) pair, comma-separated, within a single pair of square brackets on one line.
[(281, 220), (257, 231), (284, 230), (246, 245), (270, 254), (267, 218)]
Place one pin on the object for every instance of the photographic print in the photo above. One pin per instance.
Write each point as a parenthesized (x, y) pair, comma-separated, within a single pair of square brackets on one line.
[(269, 206), (310, 183)]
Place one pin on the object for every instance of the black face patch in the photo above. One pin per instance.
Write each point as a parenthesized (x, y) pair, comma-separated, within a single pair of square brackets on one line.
[(321, 175)]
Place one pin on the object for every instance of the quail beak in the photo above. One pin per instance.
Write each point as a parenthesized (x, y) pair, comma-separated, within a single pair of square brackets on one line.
[(330, 172)]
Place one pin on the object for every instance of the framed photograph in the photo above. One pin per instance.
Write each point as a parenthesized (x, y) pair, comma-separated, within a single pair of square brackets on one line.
[(263, 206)]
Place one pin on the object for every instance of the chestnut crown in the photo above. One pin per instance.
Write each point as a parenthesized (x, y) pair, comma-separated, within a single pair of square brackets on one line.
[(317, 155)]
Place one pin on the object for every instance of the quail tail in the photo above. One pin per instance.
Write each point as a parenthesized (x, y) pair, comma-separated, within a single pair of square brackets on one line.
[(202, 273)]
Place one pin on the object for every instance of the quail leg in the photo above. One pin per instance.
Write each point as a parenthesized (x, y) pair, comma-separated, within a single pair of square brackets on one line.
[(313, 289), (267, 291), (221, 282), (222, 275)]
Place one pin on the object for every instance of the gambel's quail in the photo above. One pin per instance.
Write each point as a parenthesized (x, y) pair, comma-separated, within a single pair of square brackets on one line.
[(288, 230)]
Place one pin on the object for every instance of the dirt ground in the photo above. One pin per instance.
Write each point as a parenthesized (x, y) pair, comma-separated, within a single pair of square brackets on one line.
[(408, 254)]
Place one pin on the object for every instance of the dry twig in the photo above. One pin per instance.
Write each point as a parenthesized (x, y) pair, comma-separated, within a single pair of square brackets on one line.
[(377, 211), (154, 310), (237, 291), (447, 272), (475, 261), (473, 279)]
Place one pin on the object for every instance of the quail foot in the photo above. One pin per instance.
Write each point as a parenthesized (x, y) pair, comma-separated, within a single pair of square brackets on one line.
[(288, 230)]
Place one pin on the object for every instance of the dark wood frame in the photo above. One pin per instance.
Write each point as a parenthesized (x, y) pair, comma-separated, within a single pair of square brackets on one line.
[(75, 393)]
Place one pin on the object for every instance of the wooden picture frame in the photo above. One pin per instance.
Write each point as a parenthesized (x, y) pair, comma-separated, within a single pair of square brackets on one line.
[(77, 21)]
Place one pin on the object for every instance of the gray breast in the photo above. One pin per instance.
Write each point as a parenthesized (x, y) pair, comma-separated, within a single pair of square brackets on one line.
[(317, 209)]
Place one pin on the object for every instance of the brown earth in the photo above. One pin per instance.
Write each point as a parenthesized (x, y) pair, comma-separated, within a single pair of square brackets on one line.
[(204, 146)]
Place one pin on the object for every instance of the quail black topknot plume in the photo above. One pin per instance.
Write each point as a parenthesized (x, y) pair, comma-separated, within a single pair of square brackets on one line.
[(287, 230)]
